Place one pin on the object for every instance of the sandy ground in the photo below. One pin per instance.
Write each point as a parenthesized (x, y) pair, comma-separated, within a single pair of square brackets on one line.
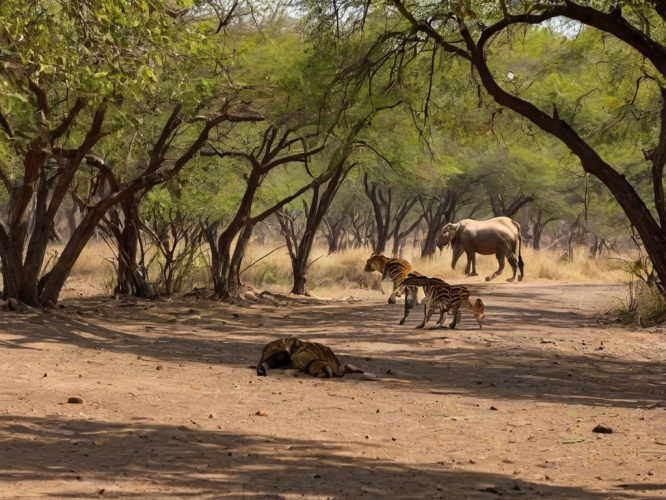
[(170, 401)]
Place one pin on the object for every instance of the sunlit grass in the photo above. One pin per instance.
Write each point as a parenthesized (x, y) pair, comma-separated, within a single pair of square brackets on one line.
[(344, 270), (341, 274)]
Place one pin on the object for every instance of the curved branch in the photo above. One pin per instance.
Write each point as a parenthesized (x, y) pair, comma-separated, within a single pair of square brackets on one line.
[(425, 27), (612, 23), (69, 119)]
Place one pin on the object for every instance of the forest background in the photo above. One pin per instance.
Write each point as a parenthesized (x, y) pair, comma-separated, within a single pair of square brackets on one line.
[(186, 136)]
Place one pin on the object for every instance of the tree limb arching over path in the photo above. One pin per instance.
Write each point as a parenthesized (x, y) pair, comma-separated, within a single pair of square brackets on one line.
[(468, 30)]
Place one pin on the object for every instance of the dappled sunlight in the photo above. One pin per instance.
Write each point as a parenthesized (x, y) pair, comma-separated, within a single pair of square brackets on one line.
[(115, 458), (171, 399)]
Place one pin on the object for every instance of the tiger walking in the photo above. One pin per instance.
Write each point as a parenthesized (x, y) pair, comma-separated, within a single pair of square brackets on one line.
[(448, 298), (413, 281), (396, 269)]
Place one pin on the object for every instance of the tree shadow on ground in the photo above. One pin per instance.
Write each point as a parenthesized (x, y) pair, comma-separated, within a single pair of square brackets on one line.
[(74, 458), (463, 361)]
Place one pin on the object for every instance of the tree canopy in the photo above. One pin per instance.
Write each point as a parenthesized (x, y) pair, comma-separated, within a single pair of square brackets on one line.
[(233, 111)]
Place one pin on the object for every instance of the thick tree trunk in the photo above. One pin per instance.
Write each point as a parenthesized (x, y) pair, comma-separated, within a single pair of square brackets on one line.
[(439, 211), (210, 234), (221, 271), (234, 283), (381, 206), (299, 264), (124, 226), (223, 276)]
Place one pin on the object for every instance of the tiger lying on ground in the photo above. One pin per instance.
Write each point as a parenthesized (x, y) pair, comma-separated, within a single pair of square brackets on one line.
[(396, 269), (448, 298), (312, 358)]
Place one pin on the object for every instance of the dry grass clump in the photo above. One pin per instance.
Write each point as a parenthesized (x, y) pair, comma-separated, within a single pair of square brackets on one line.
[(344, 270), (95, 261), (644, 306)]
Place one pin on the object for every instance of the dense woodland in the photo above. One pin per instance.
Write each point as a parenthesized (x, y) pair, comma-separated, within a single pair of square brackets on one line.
[(182, 128)]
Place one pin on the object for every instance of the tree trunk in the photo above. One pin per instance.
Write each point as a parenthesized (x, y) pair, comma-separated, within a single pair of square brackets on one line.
[(123, 225), (210, 234), (223, 248), (299, 264), (537, 231), (381, 206), (234, 283), (439, 211), (399, 236)]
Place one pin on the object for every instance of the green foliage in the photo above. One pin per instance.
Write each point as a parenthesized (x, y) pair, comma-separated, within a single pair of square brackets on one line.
[(93, 52)]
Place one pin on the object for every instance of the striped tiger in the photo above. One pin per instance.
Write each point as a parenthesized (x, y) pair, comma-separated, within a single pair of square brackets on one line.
[(277, 354), (415, 280), (396, 269), (449, 299), (312, 358)]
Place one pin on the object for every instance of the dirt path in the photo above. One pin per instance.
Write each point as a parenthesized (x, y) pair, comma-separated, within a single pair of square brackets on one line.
[(170, 404)]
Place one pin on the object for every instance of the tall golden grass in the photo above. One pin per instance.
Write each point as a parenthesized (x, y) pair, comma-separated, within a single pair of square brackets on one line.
[(341, 274), (344, 269)]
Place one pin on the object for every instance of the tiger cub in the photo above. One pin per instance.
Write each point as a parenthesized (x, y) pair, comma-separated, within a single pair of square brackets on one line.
[(312, 358), (448, 298), (411, 284), (396, 269)]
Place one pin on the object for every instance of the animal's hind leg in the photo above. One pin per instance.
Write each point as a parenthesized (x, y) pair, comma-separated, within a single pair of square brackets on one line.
[(397, 292), (456, 317), (513, 262), (411, 296), (427, 314), (470, 270), (321, 369), (442, 315), (500, 260)]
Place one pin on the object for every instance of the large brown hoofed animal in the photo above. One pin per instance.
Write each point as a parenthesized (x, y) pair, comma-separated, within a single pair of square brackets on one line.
[(447, 298), (499, 236), (312, 358), (396, 269)]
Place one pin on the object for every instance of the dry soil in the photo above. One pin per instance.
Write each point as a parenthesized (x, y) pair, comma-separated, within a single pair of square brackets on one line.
[(172, 407)]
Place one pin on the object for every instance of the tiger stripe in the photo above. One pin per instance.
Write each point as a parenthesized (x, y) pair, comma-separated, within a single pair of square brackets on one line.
[(312, 358), (413, 281), (395, 269), (448, 298)]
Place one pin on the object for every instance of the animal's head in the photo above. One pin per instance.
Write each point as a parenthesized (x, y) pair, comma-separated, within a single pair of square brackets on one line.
[(447, 235), (479, 311), (376, 262)]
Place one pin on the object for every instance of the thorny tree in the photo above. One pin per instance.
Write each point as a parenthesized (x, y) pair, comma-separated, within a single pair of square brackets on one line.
[(475, 31), (74, 75), (390, 207), (279, 146)]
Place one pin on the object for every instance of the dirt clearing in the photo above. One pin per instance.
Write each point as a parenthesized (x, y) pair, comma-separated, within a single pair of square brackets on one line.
[(170, 402)]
